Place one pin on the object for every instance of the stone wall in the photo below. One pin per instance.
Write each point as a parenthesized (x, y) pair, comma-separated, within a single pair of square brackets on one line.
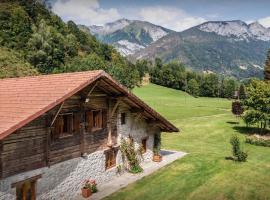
[(138, 129), (63, 181)]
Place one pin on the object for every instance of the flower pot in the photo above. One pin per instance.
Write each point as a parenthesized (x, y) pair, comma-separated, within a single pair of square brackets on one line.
[(157, 158), (86, 192)]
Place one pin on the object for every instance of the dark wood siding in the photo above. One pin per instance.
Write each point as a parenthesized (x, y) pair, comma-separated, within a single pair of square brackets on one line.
[(34, 146)]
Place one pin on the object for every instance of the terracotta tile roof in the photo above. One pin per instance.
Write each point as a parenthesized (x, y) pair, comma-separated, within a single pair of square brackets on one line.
[(24, 99)]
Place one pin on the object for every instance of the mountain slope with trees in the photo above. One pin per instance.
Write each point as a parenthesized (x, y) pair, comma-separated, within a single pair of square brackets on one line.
[(209, 51), (37, 40)]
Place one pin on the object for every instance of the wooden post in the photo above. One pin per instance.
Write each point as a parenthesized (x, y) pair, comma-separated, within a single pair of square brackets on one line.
[(48, 142), (1, 163), (82, 129), (109, 124)]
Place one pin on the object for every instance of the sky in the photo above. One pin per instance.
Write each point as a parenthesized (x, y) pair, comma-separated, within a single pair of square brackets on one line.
[(177, 15)]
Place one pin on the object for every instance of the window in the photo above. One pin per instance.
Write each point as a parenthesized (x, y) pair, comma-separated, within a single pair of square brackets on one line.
[(110, 158), (123, 118), (26, 190), (97, 119), (63, 125), (144, 145)]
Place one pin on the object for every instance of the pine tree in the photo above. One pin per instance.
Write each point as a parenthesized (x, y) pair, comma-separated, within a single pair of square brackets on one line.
[(242, 92), (267, 67)]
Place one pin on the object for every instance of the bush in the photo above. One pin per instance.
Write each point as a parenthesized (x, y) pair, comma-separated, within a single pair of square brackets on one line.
[(237, 108), (238, 154), (136, 169), (131, 155), (258, 142)]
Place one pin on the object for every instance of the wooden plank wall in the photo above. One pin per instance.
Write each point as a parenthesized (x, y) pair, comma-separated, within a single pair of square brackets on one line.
[(31, 147)]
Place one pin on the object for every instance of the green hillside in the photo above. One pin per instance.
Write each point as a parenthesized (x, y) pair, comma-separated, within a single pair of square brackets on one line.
[(206, 126), (41, 42)]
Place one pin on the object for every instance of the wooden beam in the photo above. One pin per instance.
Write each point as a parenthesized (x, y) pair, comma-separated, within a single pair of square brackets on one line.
[(57, 113), (48, 142), (1, 163), (91, 90), (114, 108), (82, 129), (109, 124)]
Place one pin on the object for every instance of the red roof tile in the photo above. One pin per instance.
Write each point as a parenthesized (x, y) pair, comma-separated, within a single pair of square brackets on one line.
[(24, 99)]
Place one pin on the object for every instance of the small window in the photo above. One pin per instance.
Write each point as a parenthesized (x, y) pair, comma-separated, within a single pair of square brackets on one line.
[(97, 119), (144, 145), (123, 118), (63, 125), (26, 190), (110, 158)]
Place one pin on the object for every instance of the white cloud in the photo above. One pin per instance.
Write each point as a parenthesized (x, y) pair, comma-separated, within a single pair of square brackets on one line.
[(265, 21), (172, 18), (85, 12)]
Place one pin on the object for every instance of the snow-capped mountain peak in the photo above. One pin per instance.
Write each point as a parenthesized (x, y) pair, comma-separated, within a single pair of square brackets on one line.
[(129, 36), (110, 27), (238, 29)]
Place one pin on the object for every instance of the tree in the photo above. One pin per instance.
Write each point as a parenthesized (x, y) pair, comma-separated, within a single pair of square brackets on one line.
[(242, 92), (267, 67), (209, 86), (229, 88), (238, 154), (257, 104), (46, 48), (193, 87), (237, 108)]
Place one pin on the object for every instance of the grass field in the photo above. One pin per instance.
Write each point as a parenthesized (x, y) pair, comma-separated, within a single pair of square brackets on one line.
[(206, 126)]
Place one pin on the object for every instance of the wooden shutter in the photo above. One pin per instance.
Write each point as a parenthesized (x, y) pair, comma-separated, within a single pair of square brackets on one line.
[(76, 122), (100, 119), (58, 127), (104, 118), (89, 120)]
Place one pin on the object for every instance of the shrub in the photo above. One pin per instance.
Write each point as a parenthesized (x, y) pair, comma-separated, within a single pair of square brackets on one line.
[(136, 169), (237, 108), (258, 142), (130, 154), (238, 154)]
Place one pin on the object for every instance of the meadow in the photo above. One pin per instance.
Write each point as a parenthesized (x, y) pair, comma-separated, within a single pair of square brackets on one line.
[(206, 126)]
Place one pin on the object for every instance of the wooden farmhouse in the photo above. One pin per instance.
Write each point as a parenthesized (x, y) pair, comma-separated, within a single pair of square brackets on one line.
[(58, 130)]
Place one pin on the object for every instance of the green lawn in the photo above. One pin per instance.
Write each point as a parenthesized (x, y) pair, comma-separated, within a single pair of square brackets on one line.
[(206, 126)]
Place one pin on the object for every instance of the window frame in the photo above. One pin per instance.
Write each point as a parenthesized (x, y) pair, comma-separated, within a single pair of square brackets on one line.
[(110, 158), (100, 120), (70, 120)]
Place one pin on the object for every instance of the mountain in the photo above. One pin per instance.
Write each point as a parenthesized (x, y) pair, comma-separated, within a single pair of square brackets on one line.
[(237, 29), (128, 36), (226, 47)]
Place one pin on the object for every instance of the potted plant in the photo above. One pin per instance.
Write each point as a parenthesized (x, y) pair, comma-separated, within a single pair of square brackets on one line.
[(86, 189), (93, 186), (157, 143), (90, 186)]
